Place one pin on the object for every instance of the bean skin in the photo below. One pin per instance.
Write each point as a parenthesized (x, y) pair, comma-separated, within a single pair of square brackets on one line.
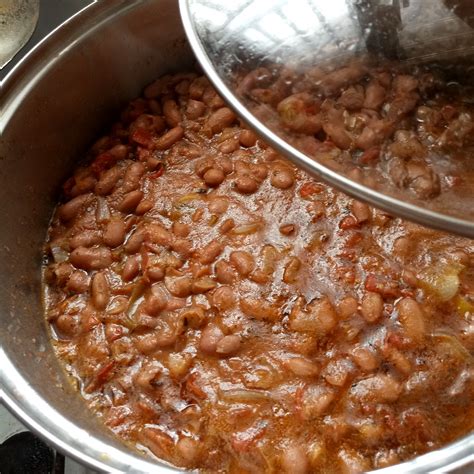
[(95, 258), (100, 292), (115, 231)]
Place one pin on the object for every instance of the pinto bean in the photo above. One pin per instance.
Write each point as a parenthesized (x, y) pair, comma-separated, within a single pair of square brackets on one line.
[(247, 138), (372, 306), (220, 119), (291, 270), (183, 247), (282, 178), (213, 177), (189, 450), (156, 301), (378, 388), (130, 201), (143, 207), (319, 317), (94, 258), (78, 282), (203, 285), (133, 174), (108, 180), (195, 109), (224, 272), (243, 262), (135, 241), (294, 460), (194, 316), (340, 78), (298, 112), (115, 231), (210, 337), (352, 98), (218, 205), (68, 325), (412, 319), (210, 252), (100, 293), (260, 310), (159, 234), (246, 184), (181, 286), (131, 268), (347, 307), (87, 238), (180, 229), (361, 211), (171, 113), (302, 367), (223, 298), (374, 95), (71, 209), (365, 358), (228, 345), (169, 138), (334, 128)]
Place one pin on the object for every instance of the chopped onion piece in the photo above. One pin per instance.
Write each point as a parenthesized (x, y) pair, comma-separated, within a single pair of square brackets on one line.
[(244, 395), (59, 254), (103, 211)]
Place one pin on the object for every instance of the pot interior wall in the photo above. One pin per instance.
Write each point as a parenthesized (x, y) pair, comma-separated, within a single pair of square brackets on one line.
[(53, 107)]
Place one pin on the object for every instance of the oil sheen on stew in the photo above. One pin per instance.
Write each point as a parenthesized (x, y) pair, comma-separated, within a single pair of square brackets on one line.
[(225, 312)]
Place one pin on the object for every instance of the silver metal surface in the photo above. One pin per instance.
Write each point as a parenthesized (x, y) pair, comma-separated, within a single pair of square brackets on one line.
[(18, 20), (230, 37), (52, 106)]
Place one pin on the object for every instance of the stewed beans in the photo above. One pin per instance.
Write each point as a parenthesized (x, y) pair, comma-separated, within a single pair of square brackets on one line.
[(225, 312)]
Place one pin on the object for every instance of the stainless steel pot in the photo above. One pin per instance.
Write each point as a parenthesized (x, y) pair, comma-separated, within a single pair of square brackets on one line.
[(51, 107)]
